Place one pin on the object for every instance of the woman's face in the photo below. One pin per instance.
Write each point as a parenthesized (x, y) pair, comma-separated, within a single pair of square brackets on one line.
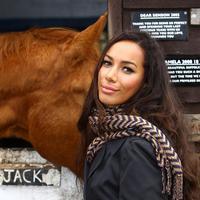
[(121, 74)]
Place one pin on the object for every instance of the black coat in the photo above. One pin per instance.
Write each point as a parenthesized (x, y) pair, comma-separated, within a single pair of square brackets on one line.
[(124, 169)]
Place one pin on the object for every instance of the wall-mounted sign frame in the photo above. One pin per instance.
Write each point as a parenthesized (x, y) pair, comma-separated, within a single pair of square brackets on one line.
[(194, 125), (162, 24), (195, 16)]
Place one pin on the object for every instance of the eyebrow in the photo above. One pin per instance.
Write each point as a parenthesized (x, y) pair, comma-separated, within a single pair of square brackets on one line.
[(124, 61)]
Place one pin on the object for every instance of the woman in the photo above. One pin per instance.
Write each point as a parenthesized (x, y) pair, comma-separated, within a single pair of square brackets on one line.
[(134, 135)]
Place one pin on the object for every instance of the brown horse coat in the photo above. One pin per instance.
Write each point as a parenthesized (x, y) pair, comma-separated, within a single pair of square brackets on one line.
[(44, 78)]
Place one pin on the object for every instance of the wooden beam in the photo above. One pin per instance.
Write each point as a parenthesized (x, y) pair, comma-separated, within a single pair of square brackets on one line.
[(114, 17), (144, 4)]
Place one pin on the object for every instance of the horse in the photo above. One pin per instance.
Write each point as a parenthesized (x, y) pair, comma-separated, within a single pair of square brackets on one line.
[(45, 74)]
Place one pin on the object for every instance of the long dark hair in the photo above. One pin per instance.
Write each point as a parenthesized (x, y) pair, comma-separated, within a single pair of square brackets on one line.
[(156, 101)]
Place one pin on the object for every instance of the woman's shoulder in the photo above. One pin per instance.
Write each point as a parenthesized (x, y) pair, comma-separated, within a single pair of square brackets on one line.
[(132, 145), (132, 142), (138, 148), (137, 142)]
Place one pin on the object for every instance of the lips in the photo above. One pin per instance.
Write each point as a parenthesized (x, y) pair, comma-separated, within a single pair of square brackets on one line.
[(108, 89)]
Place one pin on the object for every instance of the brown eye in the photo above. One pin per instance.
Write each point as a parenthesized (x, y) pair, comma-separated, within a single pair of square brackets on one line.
[(127, 70), (106, 63)]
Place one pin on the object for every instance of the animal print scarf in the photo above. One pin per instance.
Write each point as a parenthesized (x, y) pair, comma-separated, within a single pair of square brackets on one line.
[(116, 125)]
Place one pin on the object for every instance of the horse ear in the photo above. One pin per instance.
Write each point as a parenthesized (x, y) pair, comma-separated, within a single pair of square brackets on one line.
[(86, 38), (93, 32)]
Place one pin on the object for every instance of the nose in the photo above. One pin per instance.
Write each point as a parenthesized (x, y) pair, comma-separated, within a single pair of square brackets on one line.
[(111, 74)]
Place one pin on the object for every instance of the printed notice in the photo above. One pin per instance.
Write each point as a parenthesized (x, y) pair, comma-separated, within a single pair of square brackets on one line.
[(162, 25), (184, 70)]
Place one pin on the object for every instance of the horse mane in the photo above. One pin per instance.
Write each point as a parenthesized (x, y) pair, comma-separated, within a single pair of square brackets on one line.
[(15, 42)]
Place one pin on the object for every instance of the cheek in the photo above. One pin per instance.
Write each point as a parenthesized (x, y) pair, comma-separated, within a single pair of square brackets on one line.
[(131, 86)]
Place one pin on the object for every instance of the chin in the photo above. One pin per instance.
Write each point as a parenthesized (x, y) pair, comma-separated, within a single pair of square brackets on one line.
[(108, 102)]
